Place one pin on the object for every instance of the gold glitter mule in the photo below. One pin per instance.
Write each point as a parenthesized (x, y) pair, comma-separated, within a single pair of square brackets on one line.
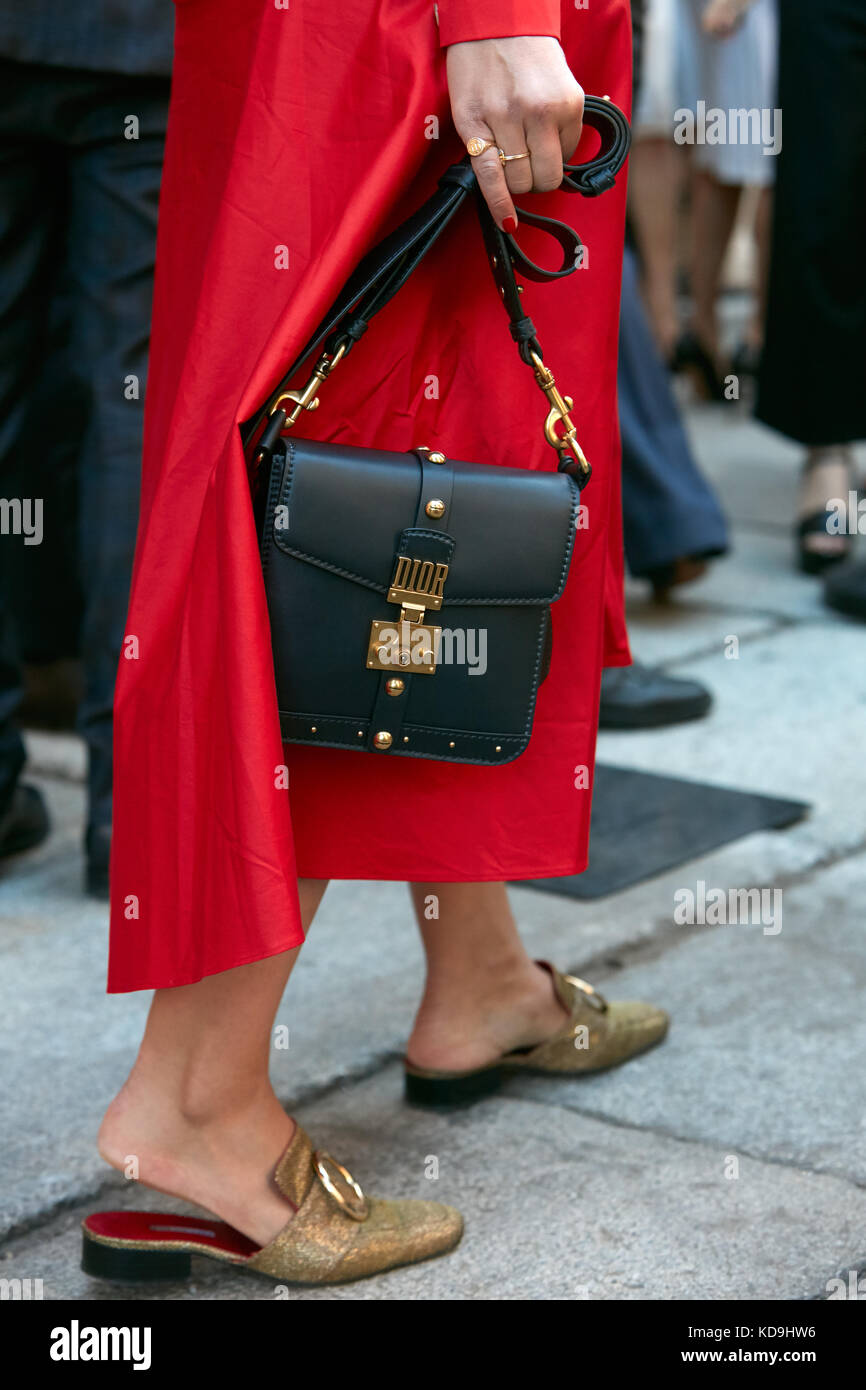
[(597, 1035), (336, 1234)]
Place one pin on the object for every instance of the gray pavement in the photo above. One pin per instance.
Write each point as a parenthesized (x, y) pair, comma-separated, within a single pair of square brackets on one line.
[(729, 1163)]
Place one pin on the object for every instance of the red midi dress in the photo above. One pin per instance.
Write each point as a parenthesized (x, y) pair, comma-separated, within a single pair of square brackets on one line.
[(297, 138)]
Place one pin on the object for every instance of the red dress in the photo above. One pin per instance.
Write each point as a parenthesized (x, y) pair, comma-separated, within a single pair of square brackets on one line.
[(297, 138)]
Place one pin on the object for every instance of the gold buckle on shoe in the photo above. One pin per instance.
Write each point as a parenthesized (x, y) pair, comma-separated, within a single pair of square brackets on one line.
[(339, 1184), (593, 997)]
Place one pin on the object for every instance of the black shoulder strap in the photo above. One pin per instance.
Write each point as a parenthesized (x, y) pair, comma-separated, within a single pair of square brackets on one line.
[(387, 267)]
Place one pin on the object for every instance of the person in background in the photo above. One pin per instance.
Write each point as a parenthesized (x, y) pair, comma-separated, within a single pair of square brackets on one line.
[(672, 521), (812, 380), (721, 53), (728, 60), (655, 169), (82, 127)]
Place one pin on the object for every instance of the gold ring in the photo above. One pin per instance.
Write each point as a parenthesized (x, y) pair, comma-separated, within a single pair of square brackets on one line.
[(477, 146), (504, 158)]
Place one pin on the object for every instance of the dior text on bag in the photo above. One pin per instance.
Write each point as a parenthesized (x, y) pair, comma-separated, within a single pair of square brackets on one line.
[(409, 594)]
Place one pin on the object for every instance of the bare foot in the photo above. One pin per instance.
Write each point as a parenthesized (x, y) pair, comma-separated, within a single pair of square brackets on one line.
[(470, 1027), (222, 1163)]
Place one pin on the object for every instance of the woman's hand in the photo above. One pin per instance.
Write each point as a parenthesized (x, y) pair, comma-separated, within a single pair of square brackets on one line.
[(722, 18), (519, 93)]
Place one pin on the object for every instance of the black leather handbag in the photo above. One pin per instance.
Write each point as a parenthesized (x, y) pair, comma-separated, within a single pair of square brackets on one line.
[(409, 594)]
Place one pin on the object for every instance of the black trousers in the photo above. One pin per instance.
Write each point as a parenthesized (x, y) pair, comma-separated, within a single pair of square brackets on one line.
[(813, 381), (78, 208)]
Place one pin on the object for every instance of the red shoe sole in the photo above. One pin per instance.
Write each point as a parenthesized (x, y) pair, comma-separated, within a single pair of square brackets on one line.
[(140, 1245)]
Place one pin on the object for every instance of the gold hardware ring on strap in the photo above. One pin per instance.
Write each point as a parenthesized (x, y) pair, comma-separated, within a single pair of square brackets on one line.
[(339, 1184), (592, 995)]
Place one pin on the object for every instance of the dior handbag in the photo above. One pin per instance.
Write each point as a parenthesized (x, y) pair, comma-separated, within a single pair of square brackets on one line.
[(409, 594)]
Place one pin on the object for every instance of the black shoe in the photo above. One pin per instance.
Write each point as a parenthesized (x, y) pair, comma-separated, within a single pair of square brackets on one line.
[(638, 697), (745, 361), (98, 851), (820, 523), (692, 357), (26, 823), (818, 561), (845, 590), (685, 570)]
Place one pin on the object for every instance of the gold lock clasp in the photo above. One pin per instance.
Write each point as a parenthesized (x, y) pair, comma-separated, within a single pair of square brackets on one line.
[(409, 644), (406, 646)]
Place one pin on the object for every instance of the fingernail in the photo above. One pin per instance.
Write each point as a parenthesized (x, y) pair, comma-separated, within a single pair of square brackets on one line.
[(509, 225)]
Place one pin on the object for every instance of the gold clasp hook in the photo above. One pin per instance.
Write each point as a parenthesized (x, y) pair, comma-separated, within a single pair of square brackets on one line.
[(306, 398), (566, 442)]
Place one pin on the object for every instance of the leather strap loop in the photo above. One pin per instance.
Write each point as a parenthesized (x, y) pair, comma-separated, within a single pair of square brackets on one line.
[(599, 173), (271, 436), (356, 329), (560, 232), (461, 174), (523, 331)]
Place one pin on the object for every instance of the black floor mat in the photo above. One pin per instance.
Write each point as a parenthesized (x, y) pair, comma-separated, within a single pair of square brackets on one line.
[(643, 824)]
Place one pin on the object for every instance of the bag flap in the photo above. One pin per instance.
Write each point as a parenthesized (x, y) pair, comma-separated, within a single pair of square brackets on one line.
[(345, 508)]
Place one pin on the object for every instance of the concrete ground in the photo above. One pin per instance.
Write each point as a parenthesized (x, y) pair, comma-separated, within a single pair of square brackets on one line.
[(730, 1163)]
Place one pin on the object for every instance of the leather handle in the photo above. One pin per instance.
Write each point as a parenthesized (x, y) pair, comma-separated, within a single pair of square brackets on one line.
[(387, 267), (599, 173)]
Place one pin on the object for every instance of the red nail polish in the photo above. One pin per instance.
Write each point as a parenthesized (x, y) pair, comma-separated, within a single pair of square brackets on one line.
[(509, 225)]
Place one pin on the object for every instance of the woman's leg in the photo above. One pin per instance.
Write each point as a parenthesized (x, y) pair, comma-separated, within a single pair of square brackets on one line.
[(714, 210), (197, 1117), (484, 995), (654, 184), (763, 227)]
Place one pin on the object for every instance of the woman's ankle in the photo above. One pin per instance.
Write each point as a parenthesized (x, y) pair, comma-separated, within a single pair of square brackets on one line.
[(506, 1009), (152, 1123), (225, 1166)]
